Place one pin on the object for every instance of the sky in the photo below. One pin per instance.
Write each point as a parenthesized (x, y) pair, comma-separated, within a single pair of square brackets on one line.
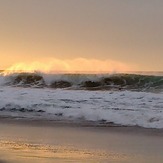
[(82, 35)]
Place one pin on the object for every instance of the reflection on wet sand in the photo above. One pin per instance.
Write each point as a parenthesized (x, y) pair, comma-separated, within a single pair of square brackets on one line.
[(47, 142), (25, 152)]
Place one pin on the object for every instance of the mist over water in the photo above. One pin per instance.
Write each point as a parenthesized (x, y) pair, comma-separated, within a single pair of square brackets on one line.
[(78, 65)]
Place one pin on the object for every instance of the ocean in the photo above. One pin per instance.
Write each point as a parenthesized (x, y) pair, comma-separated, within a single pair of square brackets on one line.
[(123, 99)]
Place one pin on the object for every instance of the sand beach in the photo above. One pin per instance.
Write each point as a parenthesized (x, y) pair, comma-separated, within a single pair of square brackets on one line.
[(49, 141)]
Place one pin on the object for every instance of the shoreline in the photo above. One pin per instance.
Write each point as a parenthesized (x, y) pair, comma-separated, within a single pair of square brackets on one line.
[(78, 124), (54, 141)]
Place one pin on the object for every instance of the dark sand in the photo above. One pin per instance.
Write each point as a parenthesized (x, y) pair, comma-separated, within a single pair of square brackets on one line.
[(45, 142)]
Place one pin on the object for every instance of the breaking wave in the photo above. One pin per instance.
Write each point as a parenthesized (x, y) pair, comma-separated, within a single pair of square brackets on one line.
[(131, 99), (135, 82)]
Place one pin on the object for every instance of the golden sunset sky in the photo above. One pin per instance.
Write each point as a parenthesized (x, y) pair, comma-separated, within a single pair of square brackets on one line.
[(82, 35)]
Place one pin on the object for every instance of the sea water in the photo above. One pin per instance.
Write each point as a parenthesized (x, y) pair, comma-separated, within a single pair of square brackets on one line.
[(122, 99)]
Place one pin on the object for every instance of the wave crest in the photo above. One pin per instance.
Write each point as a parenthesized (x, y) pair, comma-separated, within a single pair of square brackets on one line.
[(86, 81)]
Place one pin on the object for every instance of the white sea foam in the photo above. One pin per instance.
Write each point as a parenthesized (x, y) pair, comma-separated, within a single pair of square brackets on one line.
[(120, 107)]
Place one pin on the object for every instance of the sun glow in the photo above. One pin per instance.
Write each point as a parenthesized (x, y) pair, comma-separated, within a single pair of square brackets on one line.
[(79, 65)]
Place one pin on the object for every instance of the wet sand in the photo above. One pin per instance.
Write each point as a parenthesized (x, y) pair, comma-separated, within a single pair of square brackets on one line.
[(24, 141)]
